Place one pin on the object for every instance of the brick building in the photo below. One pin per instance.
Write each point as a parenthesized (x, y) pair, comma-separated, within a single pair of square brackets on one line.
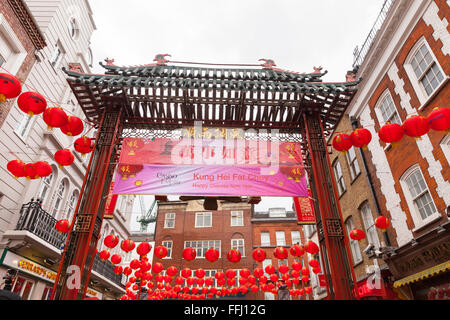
[(182, 224), (405, 72), (20, 39)]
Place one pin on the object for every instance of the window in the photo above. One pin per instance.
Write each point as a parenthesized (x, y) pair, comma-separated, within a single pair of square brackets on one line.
[(295, 237), (309, 230), (339, 177), (238, 244), (203, 219), (169, 221), (265, 263), (23, 287), (354, 246), (71, 203), (45, 187), (56, 56), (237, 218), (202, 246), (265, 239), (210, 274), (369, 225), (426, 69), (168, 244), (2, 60), (24, 125), (58, 198), (281, 240), (388, 110), (419, 195), (74, 30), (353, 163), (12, 52), (277, 212), (445, 146)]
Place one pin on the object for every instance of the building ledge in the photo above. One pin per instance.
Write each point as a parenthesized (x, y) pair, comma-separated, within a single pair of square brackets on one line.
[(97, 276), (23, 238)]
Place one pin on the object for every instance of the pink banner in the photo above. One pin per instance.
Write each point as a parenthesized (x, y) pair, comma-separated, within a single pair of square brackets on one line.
[(208, 180)]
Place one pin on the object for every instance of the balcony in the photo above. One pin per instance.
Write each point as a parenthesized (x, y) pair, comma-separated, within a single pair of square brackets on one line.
[(105, 269)]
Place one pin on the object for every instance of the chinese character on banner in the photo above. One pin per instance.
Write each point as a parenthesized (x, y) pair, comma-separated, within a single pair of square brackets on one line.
[(304, 209), (322, 281), (110, 203)]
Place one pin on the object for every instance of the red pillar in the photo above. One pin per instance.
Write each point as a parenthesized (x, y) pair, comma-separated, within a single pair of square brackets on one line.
[(81, 243), (333, 240)]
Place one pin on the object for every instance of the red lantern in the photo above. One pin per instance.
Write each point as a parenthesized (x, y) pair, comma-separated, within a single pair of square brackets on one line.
[(296, 265), (259, 255), (17, 168), (262, 279), (212, 254), (231, 282), (30, 171), (308, 290), (209, 281), (83, 145), (10, 87), (254, 288), (439, 119), (295, 274), (111, 241), (189, 254), (127, 271), (251, 279), (190, 281), (179, 280), (171, 271), (73, 127), (305, 278), (118, 269), (199, 273), (274, 277), (55, 117), (104, 255), (161, 252), (342, 142), (391, 133), (382, 223), (200, 281), (132, 280), (283, 268), (127, 245), (219, 275), (116, 259), (167, 279), (258, 272), (280, 253), (230, 273), (32, 103), (243, 289), (357, 234), (143, 248), (360, 138), (64, 157), (305, 272), (317, 270), (311, 247), (416, 126), (297, 250), (43, 169), (270, 269), (63, 226), (135, 264), (186, 272), (313, 263), (157, 267), (234, 256), (244, 273)]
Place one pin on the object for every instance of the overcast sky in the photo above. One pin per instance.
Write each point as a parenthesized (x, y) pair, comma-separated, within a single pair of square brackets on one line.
[(297, 34)]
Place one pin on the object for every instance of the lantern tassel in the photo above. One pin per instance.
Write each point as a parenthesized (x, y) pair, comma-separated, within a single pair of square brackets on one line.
[(2, 97)]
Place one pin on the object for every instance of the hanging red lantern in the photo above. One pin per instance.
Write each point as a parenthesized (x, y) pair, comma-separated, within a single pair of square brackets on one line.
[(135, 264), (159, 278), (83, 145), (283, 268), (209, 281), (308, 290), (171, 271), (127, 271), (439, 119), (186, 272), (251, 279), (116, 259), (64, 157), (244, 273), (416, 126), (243, 289), (199, 273), (258, 272), (16, 168), (118, 270), (190, 281), (254, 288), (311, 247), (313, 263), (157, 267), (273, 277), (111, 241), (296, 250), (360, 138), (382, 223), (280, 253), (221, 282), (230, 273), (104, 255), (200, 281), (259, 254), (189, 254), (43, 169), (73, 127), (285, 276), (179, 280), (161, 252), (167, 279), (342, 142), (127, 245), (63, 226), (305, 272), (295, 273), (212, 254), (10, 87), (132, 280), (231, 282), (219, 275), (143, 248), (55, 117), (317, 270), (263, 279), (391, 133), (32, 103), (30, 171), (305, 279), (270, 269), (296, 265), (234, 256), (357, 234)]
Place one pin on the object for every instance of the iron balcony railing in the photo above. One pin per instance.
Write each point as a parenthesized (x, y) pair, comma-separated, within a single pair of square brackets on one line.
[(106, 269), (37, 221), (360, 54)]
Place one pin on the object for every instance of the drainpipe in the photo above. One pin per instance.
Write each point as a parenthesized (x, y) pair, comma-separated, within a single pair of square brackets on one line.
[(354, 123)]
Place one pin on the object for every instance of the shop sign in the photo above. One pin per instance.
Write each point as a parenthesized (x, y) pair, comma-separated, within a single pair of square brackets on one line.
[(322, 280), (22, 264), (93, 293)]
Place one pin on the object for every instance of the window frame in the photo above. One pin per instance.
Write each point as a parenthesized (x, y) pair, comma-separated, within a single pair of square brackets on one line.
[(379, 111), (237, 247), (263, 243), (56, 211), (56, 59), (200, 216), (353, 163), (166, 220), (277, 238), (369, 224), (299, 237), (203, 248), (240, 218), (169, 250), (340, 186), (353, 244)]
